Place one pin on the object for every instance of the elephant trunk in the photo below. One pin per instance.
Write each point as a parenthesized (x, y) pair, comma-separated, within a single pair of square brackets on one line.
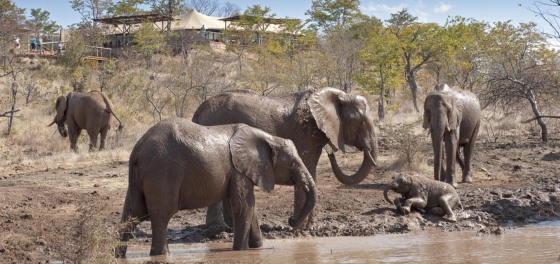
[(386, 193), (368, 163), (437, 143), (298, 219)]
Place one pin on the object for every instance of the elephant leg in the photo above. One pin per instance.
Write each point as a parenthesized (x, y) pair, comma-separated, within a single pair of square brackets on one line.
[(159, 236), (413, 202), (460, 161), (255, 236), (399, 203), (92, 140), (103, 137), (134, 213), (299, 201), (160, 211), (242, 201), (74, 134), (450, 155), (468, 151), (215, 215), (445, 201)]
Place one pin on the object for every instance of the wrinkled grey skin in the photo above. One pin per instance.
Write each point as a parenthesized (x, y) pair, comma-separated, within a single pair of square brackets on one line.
[(90, 111), (179, 165), (453, 118), (311, 119), (422, 193)]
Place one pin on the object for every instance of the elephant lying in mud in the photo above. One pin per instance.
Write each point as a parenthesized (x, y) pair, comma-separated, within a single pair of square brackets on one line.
[(91, 111), (179, 165), (311, 119), (420, 192), (453, 118)]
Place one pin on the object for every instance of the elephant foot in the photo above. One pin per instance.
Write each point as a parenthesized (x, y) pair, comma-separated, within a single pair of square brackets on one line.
[(215, 229), (120, 251), (467, 179), (454, 184), (450, 218), (255, 244), (398, 204)]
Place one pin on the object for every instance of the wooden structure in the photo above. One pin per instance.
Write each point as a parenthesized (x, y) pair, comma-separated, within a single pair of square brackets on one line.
[(123, 26)]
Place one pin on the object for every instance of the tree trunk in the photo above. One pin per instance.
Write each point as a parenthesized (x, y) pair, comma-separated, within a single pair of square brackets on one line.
[(381, 111), (15, 86), (537, 112), (414, 89)]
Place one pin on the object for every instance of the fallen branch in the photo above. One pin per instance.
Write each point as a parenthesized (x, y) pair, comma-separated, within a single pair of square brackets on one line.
[(535, 118), (5, 114)]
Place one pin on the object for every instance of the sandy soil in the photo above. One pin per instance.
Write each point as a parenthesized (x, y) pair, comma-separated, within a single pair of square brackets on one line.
[(66, 212)]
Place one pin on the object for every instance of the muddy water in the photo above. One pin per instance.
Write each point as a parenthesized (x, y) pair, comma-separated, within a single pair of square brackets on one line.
[(534, 244)]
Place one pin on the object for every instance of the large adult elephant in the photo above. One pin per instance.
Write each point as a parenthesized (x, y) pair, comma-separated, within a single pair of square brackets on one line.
[(179, 165), (453, 118), (311, 119), (90, 111)]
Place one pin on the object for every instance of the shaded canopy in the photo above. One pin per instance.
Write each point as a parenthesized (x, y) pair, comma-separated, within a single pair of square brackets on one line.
[(195, 20)]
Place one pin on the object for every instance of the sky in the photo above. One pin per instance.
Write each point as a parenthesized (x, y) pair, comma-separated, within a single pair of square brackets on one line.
[(426, 10)]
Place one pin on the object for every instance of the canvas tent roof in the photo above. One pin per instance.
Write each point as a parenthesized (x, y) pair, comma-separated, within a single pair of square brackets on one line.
[(195, 20)]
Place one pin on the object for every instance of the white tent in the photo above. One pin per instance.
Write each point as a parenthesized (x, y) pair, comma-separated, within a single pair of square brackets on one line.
[(195, 20)]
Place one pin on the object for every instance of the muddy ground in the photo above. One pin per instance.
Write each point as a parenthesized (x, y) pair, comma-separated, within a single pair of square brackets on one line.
[(70, 211)]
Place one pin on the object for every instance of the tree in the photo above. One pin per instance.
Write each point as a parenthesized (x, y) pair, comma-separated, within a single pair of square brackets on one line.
[(91, 9), (126, 8), (382, 57), (169, 8), (214, 7), (12, 20), (468, 43), (40, 22), (420, 44), (549, 11), (333, 14), (520, 68), (148, 41)]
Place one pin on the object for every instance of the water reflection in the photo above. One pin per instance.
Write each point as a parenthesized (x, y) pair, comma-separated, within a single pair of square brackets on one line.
[(534, 244)]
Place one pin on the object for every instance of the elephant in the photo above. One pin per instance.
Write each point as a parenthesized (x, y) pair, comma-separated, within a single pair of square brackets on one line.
[(179, 165), (311, 119), (90, 111), (420, 192), (453, 119)]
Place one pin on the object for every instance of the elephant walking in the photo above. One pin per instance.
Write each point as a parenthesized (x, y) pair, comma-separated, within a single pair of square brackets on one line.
[(311, 119), (179, 165), (91, 111), (453, 118)]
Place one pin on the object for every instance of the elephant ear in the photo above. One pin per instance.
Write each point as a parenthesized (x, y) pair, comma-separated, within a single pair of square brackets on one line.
[(325, 107), (452, 114), (253, 156), (61, 104), (426, 121)]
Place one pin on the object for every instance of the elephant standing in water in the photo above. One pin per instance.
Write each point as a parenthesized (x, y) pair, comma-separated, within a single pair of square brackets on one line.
[(453, 118), (91, 111), (180, 165), (311, 119)]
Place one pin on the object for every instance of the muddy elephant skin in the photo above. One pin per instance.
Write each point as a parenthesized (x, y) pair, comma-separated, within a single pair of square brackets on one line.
[(90, 111), (453, 118), (311, 119), (179, 165), (423, 193)]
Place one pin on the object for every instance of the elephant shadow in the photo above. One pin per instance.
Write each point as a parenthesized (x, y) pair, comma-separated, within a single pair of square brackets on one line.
[(368, 186), (192, 234)]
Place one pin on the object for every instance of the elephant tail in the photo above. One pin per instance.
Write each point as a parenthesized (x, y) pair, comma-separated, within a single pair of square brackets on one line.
[(110, 107)]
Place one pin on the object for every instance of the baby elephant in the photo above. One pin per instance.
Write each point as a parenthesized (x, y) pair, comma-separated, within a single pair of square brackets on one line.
[(421, 192), (179, 165)]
